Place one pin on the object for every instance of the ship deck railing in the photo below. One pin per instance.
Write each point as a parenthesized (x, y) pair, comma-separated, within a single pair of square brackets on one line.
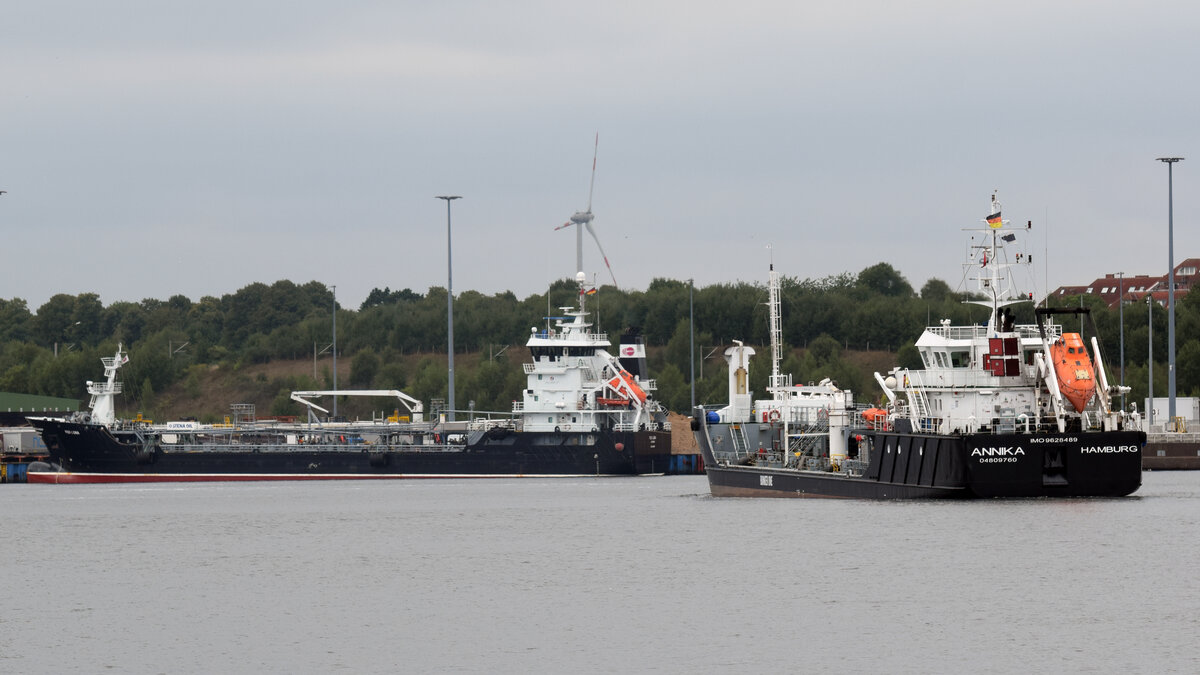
[(798, 416), (275, 427), (571, 336), (309, 447), (938, 379), (556, 365), (807, 440), (644, 426), (1159, 435), (973, 332), (478, 423)]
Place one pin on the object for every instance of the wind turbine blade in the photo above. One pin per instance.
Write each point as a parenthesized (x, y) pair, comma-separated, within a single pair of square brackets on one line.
[(602, 253), (595, 151), (566, 224)]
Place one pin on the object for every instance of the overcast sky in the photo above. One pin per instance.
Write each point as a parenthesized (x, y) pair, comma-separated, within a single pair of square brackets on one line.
[(159, 148)]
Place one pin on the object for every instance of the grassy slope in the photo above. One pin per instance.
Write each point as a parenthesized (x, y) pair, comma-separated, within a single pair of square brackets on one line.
[(222, 385)]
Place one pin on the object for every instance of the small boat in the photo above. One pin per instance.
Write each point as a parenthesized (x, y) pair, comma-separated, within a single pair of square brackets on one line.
[(1074, 370)]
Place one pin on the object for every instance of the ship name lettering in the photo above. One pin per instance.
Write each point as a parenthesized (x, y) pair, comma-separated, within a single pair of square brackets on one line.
[(764, 481), (1109, 449), (1001, 452)]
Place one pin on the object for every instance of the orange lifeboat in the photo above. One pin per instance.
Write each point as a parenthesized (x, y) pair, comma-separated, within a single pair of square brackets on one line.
[(1073, 366), (623, 383), (876, 418)]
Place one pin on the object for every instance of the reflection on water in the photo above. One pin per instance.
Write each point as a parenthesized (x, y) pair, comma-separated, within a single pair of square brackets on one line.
[(591, 575)]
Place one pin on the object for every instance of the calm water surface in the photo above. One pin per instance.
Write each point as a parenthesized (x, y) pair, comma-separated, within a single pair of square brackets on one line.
[(642, 574)]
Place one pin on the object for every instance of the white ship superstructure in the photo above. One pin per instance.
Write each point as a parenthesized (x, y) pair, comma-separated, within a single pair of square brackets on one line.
[(997, 377), (998, 410), (576, 385), (103, 403)]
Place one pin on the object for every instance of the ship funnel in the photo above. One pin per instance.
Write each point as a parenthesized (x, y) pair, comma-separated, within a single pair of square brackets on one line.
[(738, 358), (633, 354)]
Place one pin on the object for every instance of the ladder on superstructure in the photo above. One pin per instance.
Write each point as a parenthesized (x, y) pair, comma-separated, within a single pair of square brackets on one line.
[(777, 380), (920, 404), (740, 445), (808, 438)]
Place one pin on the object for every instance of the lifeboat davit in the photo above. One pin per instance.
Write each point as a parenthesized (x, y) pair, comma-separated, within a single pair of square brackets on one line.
[(625, 385), (1073, 366)]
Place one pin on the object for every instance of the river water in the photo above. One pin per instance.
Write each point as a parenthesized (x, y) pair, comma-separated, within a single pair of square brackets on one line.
[(615, 575)]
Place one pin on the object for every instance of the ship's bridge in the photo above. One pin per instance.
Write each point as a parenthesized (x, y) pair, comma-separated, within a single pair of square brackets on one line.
[(954, 348)]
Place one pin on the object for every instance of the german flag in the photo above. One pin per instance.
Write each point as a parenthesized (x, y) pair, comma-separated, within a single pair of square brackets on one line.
[(994, 220), (591, 291)]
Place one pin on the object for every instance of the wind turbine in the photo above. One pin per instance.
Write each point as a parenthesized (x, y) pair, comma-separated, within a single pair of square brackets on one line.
[(583, 219)]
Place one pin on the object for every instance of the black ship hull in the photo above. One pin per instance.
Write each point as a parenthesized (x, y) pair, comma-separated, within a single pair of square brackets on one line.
[(90, 453), (751, 481), (925, 466)]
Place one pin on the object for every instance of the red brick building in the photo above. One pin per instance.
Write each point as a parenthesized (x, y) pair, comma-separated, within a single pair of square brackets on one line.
[(1111, 288)]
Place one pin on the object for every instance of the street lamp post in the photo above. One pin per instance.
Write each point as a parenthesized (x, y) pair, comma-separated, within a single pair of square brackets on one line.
[(1121, 322), (1170, 162), (333, 289), (1150, 359), (692, 339), (449, 304)]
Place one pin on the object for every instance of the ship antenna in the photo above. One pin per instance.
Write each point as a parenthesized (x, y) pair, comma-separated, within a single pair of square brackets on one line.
[(777, 381)]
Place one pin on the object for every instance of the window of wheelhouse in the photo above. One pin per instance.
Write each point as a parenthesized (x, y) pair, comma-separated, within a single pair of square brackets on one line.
[(539, 352), (960, 358)]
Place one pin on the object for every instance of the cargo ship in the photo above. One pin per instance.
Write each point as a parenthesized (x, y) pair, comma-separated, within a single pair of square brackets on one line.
[(584, 412), (998, 410)]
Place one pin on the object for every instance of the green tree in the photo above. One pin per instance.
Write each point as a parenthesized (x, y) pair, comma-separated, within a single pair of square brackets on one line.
[(909, 357), (15, 320), (936, 290), (673, 389), (1187, 360), (363, 368), (15, 379), (883, 279), (487, 387), (146, 395), (53, 321), (824, 350), (391, 375)]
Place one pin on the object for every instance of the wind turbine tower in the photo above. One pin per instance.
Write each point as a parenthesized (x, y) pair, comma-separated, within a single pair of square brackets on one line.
[(582, 219)]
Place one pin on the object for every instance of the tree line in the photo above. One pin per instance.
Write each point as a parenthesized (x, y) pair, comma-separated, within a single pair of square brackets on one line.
[(397, 339)]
